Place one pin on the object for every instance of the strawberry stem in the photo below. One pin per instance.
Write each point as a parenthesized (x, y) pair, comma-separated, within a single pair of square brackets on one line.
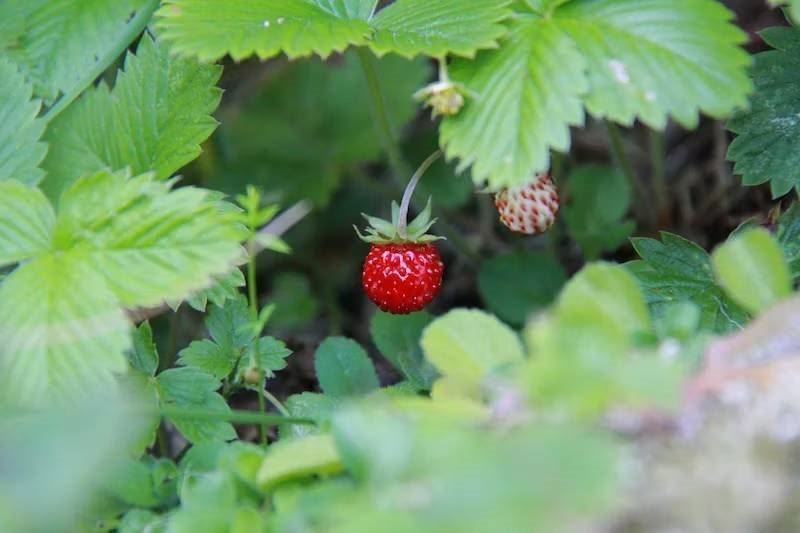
[(402, 223)]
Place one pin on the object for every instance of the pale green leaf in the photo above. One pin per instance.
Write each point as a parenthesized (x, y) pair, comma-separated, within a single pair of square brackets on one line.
[(26, 222), (153, 120), (517, 284), (192, 388), (150, 243), (298, 458), (654, 59), (60, 42), (767, 147), (312, 405), (602, 291), (789, 237), (20, 130), (225, 288), (210, 29), (527, 94), (438, 27), (469, 345), (752, 270), (343, 368), (62, 329)]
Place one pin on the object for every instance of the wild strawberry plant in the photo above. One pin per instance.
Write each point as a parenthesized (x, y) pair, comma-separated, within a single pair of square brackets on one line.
[(159, 373)]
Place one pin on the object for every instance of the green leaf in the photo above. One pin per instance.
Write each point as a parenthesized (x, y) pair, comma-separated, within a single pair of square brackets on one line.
[(398, 339), (192, 388), (789, 237), (766, 148), (62, 329), (527, 95), (298, 458), (274, 142), (599, 198), (654, 59), (142, 483), (317, 407), (59, 43), (138, 520), (752, 270), (516, 284), (26, 222), (20, 148), (294, 301), (438, 27), (209, 357), (674, 270), (225, 288), (264, 28), (143, 356), (271, 355), (154, 119), (208, 503), (469, 345), (343, 368), (607, 293), (149, 242)]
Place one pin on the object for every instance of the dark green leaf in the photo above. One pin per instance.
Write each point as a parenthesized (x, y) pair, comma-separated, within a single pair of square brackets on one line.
[(398, 339), (144, 356), (343, 368), (516, 284)]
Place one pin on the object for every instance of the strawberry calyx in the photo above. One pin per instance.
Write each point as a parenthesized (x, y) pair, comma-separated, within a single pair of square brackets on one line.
[(398, 230)]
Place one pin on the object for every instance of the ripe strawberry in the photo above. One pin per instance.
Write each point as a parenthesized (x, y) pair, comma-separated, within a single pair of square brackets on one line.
[(402, 272), (402, 278), (529, 208)]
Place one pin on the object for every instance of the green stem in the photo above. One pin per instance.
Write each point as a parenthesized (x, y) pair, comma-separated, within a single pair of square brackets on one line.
[(277, 403), (235, 416), (252, 297), (624, 163), (390, 145), (379, 112), (402, 224), (134, 28)]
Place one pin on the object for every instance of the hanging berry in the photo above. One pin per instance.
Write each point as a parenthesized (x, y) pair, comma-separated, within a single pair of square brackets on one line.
[(530, 208), (403, 270)]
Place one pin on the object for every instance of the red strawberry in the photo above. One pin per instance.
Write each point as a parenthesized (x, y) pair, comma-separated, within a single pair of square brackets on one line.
[(402, 278), (529, 208), (403, 270)]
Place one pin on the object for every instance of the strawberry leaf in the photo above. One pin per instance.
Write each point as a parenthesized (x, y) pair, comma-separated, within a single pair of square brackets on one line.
[(675, 270), (528, 93), (438, 27), (153, 120), (26, 222), (343, 368), (59, 43), (654, 59), (210, 29), (21, 151), (766, 148)]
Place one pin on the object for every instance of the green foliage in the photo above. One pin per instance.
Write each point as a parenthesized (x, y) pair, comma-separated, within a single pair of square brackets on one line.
[(193, 388), (26, 222), (233, 342), (792, 6), (153, 120), (766, 147), (516, 284), (58, 43), (469, 345), (295, 303), (624, 60), (298, 458), (20, 148), (118, 242), (143, 356), (676, 270), (585, 357), (789, 238), (300, 135), (343, 368), (224, 289), (752, 270), (398, 339), (599, 199), (265, 29), (529, 94), (437, 27)]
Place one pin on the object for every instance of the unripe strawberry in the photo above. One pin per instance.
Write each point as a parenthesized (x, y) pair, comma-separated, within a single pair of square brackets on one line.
[(529, 208)]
